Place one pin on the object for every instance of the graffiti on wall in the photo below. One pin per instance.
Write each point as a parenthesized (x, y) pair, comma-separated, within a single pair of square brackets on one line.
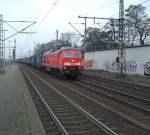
[(89, 63), (129, 66), (110, 66)]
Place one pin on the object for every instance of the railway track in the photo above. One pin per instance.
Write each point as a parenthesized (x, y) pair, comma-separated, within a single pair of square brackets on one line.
[(67, 118), (138, 103), (125, 84), (48, 119), (117, 121)]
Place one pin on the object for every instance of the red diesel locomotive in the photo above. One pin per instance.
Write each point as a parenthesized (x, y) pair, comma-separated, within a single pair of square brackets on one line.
[(67, 61)]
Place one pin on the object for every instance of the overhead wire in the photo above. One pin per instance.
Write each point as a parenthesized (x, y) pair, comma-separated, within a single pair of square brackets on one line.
[(107, 5), (41, 10), (55, 3), (141, 3), (49, 11)]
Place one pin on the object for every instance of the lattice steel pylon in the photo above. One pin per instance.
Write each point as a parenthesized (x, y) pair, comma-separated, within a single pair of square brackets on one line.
[(1, 44), (121, 48)]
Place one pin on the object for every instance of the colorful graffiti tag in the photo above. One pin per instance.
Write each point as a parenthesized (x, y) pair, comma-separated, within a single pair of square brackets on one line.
[(88, 63), (129, 66)]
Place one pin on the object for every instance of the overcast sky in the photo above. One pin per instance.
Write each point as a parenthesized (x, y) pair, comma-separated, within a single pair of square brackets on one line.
[(54, 14)]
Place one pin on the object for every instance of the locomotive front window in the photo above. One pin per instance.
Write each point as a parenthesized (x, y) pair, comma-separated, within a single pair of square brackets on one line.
[(77, 54), (67, 54)]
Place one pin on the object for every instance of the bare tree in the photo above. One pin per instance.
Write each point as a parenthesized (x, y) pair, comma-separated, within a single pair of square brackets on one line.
[(138, 20), (70, 39)]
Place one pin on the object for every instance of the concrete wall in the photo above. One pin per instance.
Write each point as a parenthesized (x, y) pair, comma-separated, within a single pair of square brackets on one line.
[(106, 60)]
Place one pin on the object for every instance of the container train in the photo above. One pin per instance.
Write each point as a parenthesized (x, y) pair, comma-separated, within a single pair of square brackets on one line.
[(65, 61)]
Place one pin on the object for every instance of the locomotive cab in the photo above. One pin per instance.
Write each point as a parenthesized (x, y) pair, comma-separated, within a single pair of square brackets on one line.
[(67, 61), (72, 62)]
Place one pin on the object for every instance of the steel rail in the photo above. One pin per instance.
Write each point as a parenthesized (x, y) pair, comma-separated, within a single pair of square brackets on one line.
[(124, 83), (147, 111), (125, 117), (62, 129), (95, 121), (102, 105), (120, 92)]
